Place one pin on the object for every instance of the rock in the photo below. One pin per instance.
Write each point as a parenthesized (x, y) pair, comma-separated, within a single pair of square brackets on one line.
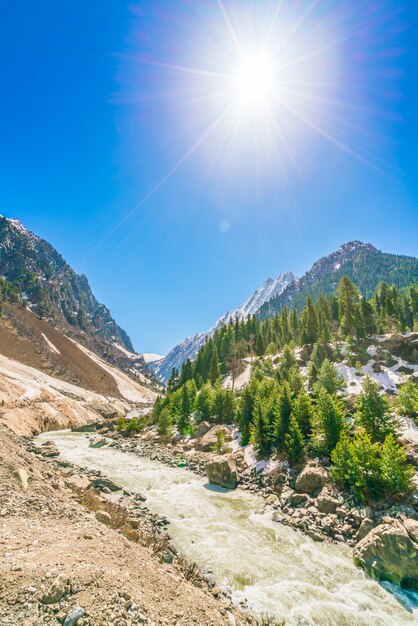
[(59, 588), (77, 482), (86, 428), (103, 517), (49, 449), (73, 616), (31, 590), (311, 478), (98, 443), (365, 527), (222, 471), (390, 552), (326, 503), (208, 441), (360, 513), (297, 498), (23, 477), (102, 483), (202, 429)]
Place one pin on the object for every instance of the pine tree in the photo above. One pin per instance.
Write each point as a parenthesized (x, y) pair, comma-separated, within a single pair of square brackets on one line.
[(303, 412), (215, 372), (328, 423), (348, 313), (259, 345), (328, 378), (282, 425), (408, 399), (318, 356), (373, 412), (260, 431), (286, 363), (205, 403), (311, 324), (396, 474), (294, 443), (174, 381), (165, 424), (246, 409)]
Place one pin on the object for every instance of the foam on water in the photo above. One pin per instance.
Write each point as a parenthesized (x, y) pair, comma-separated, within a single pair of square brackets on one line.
[(272, 568)]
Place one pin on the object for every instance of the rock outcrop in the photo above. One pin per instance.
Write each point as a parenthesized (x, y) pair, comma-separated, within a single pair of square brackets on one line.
[(311, 478), (390, 552), (222, 471), (208, 441)]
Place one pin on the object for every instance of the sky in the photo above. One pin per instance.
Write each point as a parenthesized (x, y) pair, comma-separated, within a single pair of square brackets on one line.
[(178, 153)]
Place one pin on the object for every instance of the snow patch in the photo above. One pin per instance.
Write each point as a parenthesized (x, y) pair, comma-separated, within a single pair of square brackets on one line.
[(51, 345)]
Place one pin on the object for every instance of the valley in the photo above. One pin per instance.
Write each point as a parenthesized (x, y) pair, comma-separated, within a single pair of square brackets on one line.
[(280, 446)]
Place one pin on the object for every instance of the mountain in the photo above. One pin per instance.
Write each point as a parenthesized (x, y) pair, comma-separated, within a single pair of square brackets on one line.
[(189, 346), (56, 294), (364, 264)]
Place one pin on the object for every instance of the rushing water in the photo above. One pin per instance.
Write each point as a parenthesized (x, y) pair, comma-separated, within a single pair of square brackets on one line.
[(277, 570)]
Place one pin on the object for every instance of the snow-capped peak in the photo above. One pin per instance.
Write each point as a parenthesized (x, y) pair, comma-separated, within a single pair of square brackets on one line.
[(188, 348)]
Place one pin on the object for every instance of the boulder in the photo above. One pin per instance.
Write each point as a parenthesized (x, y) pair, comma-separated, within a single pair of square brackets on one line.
[(98, 443), (222, 471), (59, 588), (208, 441), (77, 482), (49, 449), (73, 616), (326, 503), (23, 478), (86, 428), (103, 517), (311, 478), (365, 527), (106, 483), (390, 552), (202, 429)]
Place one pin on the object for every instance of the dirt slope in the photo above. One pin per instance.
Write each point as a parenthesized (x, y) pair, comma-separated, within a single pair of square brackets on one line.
[(45, 533)]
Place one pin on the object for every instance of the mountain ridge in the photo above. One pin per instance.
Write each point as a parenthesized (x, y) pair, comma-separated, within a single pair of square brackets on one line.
[(188, 348)]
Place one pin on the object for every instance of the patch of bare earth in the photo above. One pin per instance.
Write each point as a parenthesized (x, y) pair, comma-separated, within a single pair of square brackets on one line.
[(56, 556)]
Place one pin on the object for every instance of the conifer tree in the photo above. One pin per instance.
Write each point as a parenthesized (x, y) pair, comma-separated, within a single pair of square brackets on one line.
[(328, 378), (205, 403), (396, 474), (165, 424), (294, 443), (259, 345), (408, 399), (246, 409), (174, 381), (282, 424), (373, 412), (328, 423), (260, 430), (311, 323), (303, 412), (286, 362), (215, 372)]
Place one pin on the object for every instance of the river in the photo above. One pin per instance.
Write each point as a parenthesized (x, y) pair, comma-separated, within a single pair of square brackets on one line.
[(275, 569)]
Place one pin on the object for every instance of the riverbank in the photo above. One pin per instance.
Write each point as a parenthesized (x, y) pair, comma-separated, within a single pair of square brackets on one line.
[(62, 560), (303, 497), (268, 566)]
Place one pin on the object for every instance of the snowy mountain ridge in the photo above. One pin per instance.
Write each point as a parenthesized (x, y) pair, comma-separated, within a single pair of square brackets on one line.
[(189, 347)]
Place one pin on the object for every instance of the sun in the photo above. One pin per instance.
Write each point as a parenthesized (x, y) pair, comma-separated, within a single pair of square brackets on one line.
[(254, 81)]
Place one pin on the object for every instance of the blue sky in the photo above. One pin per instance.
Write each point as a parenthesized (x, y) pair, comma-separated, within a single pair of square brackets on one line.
[(176, 212)]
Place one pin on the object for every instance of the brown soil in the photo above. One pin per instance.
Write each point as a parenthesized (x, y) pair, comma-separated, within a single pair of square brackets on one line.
[(45, 532), (22, 337)]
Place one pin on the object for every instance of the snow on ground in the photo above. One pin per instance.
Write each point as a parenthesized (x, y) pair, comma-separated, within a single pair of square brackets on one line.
[(130, 355), (150, 357), (389, 378), (33, 382), (240, 381), (50, 344), (128, 388), (409, 430)]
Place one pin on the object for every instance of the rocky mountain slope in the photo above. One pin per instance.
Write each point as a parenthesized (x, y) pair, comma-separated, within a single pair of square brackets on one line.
[(361, 262), (188, 348), (54, 293)]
